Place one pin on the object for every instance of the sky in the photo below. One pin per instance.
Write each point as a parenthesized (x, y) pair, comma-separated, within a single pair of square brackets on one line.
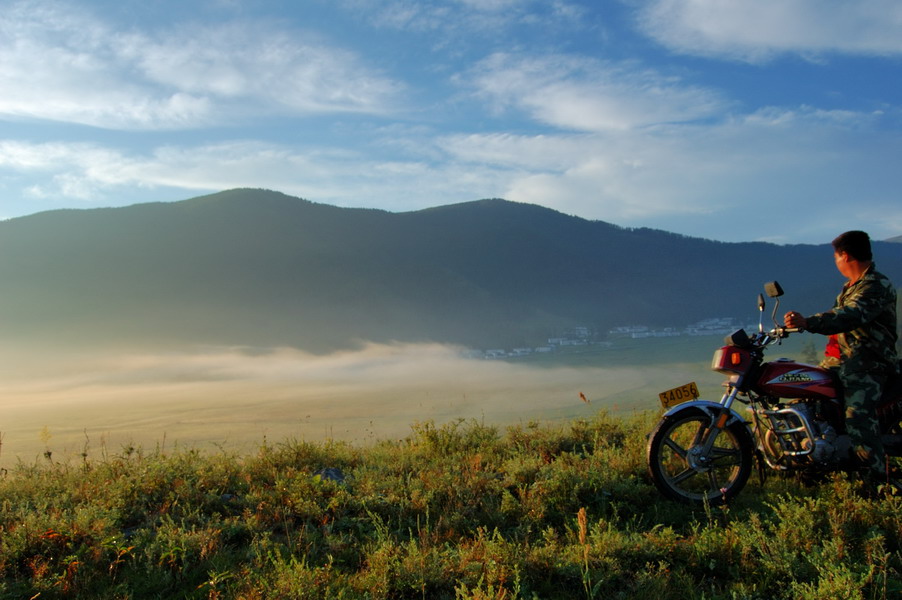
[(734, 120)]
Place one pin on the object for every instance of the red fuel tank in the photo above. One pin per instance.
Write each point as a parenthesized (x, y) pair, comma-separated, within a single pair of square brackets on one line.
[(785, 378)]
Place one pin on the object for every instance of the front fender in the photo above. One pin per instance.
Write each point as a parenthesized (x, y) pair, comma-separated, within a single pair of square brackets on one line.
[(712, 409)]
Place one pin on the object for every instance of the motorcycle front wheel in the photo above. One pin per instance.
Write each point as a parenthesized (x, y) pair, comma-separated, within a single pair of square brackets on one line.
[(682, 471)]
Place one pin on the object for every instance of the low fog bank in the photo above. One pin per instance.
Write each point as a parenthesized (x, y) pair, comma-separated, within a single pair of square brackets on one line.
[(237, 398)]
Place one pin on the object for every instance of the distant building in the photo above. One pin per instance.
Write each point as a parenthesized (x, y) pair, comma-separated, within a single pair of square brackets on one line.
[(628, 330), (718, 326)]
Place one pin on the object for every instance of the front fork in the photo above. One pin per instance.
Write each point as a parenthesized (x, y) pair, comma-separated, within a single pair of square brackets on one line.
[(719, 421)]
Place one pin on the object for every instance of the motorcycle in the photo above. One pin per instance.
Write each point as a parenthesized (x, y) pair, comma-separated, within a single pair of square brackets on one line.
[(702, 452)]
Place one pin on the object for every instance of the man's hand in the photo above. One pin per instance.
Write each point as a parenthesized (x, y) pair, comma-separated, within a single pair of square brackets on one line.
[(794, 319)]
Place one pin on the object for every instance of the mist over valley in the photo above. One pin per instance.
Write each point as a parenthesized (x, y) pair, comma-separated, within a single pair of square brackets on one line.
[(248, 315)]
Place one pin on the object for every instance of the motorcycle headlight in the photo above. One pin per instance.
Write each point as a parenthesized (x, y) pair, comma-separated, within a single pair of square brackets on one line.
[(730, 359)]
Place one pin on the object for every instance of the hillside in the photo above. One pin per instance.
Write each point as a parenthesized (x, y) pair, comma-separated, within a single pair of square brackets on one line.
[(254, 267)]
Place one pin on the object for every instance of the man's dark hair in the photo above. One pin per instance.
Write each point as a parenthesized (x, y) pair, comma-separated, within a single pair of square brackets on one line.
[(856, 244)]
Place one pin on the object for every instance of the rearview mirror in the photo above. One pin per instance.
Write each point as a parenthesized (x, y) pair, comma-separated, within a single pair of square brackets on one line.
[(773, 289)]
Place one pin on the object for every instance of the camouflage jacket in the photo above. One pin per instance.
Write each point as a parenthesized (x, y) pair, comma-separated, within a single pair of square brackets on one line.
[(864, 317)]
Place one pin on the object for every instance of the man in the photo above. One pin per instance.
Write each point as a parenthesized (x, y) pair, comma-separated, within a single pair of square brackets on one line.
[(863, 324)]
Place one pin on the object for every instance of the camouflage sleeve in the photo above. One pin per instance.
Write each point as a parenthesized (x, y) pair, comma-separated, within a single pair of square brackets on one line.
[(860, 306)]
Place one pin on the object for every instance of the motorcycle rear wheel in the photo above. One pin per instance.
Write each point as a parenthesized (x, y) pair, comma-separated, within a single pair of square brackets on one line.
[(680, 471)]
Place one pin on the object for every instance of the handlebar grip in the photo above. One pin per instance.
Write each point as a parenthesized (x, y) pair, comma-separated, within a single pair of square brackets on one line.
[(782, 332)]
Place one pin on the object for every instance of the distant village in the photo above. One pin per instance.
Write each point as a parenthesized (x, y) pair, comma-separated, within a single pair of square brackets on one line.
[(585, 336)]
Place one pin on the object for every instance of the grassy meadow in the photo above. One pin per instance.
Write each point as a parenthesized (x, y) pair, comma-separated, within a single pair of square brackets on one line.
[(399, 472), (462, 510)]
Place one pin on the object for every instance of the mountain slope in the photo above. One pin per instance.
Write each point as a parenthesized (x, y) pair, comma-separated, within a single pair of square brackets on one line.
[(255, 267)]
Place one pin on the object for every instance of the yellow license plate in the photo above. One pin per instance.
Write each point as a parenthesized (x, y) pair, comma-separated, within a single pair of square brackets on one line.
[(678, 395)]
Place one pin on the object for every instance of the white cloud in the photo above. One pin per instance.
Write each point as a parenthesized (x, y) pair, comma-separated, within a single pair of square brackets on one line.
[(493, 5), (755, 30), (743, 170), (458, 18), (675, 176), (70, 170), (619, 177), (583, 94), (64, 65), (262, 65), (407, 15), (342, 177)]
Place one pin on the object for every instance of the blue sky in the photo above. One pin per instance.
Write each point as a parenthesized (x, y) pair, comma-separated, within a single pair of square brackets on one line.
[(776, 120)]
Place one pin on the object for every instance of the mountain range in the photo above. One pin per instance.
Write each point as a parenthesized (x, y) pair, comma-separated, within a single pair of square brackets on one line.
[(260, 268)]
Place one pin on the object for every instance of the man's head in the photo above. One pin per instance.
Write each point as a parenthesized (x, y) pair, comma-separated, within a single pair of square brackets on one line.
[(852, 253), (856, 244)]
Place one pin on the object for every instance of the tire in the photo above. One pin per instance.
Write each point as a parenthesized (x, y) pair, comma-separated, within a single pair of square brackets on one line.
[(685, 476)]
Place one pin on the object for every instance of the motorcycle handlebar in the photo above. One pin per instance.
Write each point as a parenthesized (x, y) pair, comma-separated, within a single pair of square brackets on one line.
[(782, 332)]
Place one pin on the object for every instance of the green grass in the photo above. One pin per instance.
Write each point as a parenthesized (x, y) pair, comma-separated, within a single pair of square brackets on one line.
[(461, 510)]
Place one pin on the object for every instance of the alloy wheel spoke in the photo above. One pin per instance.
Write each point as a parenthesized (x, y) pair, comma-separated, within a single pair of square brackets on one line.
[(722, 456), (679, 450), (712, 479), (681, 477)]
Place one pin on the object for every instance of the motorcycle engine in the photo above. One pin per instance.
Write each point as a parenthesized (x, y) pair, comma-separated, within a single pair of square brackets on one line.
[(824, 446), (829, 447), (788, 440)]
